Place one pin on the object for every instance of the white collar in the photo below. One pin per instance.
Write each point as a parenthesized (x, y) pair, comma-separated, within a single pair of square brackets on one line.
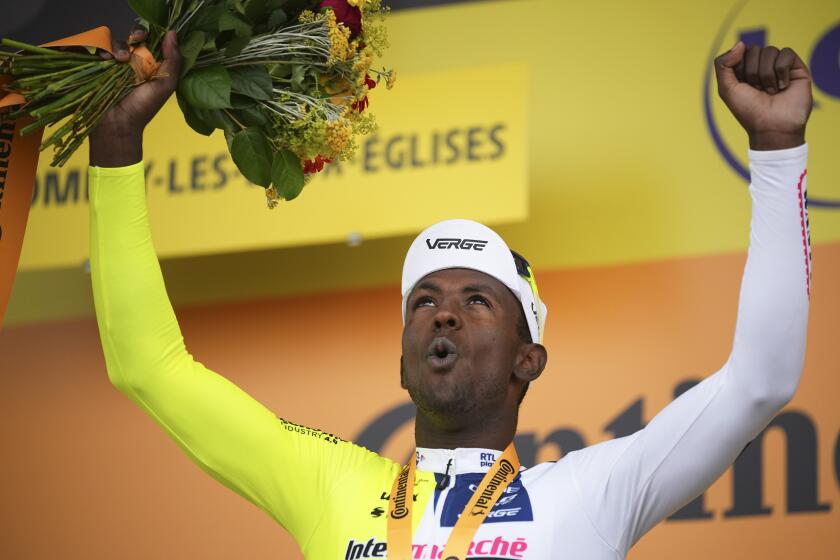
[(456, 461)]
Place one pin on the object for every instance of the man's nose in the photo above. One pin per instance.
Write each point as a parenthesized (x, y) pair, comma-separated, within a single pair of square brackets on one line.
[(446, 319)]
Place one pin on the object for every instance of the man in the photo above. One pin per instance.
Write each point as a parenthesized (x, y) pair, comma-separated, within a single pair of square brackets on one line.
[(471, 345)]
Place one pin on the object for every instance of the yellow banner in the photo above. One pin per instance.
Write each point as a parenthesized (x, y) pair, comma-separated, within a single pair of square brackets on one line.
[(630, 155), (624, 162), (440, 152)]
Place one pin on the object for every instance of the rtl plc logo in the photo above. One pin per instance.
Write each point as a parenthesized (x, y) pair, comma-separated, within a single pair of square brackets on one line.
[(759, 23)]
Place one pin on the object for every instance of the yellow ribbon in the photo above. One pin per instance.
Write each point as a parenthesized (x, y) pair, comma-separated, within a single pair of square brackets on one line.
[(401, 502)]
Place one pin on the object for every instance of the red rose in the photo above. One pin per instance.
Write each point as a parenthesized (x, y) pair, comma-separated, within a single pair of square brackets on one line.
[(350, 16)]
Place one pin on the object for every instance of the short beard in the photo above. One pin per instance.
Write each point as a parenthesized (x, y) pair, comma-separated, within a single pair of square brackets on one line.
[(461, 402)]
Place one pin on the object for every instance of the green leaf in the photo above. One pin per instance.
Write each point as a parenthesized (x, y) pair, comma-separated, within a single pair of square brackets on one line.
[(207, 88), (205, 121), (218, 118), (235, 46), (247, 111), (190, 48), (253, 81), (297, 6), (238, 5), (207, 19), (154, 11), (252, 116), (287, 174), (277, 18), (256, 10), (176, 7), (251, 153), (241, 29), (232, 22), (239, 101), (196, 123), (298, 75), (280, 70)]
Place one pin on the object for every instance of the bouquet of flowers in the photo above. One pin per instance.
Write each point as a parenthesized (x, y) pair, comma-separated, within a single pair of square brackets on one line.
[(286, 80)]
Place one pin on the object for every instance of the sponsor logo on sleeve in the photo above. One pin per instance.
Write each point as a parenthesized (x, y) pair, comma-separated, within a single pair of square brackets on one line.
[(311, 432)]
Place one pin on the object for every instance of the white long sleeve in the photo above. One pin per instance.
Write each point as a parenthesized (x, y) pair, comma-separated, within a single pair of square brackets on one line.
[(628, 485)]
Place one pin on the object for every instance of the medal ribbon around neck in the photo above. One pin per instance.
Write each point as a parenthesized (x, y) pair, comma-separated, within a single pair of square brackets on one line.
[(401, 502)]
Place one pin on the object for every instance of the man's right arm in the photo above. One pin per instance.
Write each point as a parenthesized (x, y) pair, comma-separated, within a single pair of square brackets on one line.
[(277, 465)]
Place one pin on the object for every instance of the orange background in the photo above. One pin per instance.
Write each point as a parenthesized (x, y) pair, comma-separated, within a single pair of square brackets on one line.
[(18, 168), (621, 169), (87, 475)]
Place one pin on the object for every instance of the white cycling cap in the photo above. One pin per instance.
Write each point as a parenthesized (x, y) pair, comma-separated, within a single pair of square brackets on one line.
[(469, 244)]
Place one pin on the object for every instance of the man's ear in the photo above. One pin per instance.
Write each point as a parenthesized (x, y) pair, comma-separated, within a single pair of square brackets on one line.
[(402, 373), (530, 362)]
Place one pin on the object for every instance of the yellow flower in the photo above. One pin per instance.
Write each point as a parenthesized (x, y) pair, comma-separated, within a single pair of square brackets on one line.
[(392, 77), (339, 135), (339, 39), (361, 66), (338, 88), (355, 3)]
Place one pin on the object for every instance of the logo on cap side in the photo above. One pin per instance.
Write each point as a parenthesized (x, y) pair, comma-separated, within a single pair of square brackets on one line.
[(456, 243)]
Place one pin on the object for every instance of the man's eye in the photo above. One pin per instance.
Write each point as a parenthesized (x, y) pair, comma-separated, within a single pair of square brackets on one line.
[(478, 299), (424, 301)]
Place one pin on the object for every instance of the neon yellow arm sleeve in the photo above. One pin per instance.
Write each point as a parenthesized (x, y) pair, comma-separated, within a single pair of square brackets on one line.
[(285, 469)]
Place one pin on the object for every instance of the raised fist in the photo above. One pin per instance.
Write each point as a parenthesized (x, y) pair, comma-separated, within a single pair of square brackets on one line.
[(145, 100), (117, 139), (768, 91)]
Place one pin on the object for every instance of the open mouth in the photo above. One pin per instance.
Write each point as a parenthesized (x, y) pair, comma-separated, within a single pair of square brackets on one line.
[(442, 353)]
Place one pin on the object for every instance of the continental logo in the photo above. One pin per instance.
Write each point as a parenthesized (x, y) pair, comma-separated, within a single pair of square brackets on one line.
[(485, 500), (7, 132), (456, 243), (779, 26), (399, 509)]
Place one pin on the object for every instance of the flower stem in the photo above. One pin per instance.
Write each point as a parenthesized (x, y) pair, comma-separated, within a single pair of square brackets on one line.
[(72, 79), (20, 69), (44, 121), (35, 80), (62, 55), (67, 99), (6, 42)]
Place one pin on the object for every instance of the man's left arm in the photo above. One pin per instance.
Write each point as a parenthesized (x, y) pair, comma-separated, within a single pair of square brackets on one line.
[(691, 442)]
